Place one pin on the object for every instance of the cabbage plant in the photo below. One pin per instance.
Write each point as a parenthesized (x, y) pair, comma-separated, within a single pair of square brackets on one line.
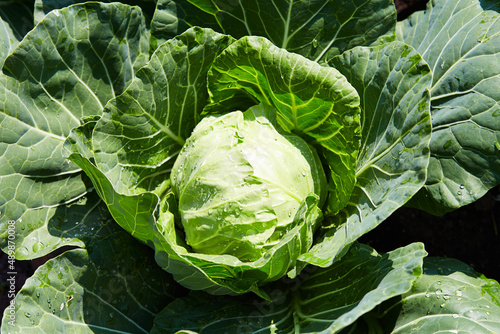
[(209, 166), (236, 189)]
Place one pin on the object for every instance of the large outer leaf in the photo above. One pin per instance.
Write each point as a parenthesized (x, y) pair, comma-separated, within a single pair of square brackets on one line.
[(316, 29), (392, 82), (142, 131), (64, 70), (111, 286), (16, 19), (318, 301), (311, 100), (460, 41), (450, 297)]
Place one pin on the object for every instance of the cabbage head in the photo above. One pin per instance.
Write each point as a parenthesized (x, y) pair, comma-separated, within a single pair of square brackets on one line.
[(239, 181)]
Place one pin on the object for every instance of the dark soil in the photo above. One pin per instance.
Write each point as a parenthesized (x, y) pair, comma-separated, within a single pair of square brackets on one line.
[(470, 234), (406, 7)]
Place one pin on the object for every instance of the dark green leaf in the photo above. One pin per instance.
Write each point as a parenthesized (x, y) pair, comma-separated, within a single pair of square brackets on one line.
[(392, 81), (173, 17), (316, 29), (460, 40)]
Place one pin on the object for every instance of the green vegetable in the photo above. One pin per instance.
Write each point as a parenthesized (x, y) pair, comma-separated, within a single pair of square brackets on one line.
[(239, 183), (214, 163)]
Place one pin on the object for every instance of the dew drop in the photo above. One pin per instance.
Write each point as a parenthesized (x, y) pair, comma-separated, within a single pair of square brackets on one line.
[(27, 315), (22, 252), (37, 246)]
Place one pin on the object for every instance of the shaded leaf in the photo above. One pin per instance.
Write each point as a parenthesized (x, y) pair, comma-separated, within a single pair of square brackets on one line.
[(173, 17), (15, 22)]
